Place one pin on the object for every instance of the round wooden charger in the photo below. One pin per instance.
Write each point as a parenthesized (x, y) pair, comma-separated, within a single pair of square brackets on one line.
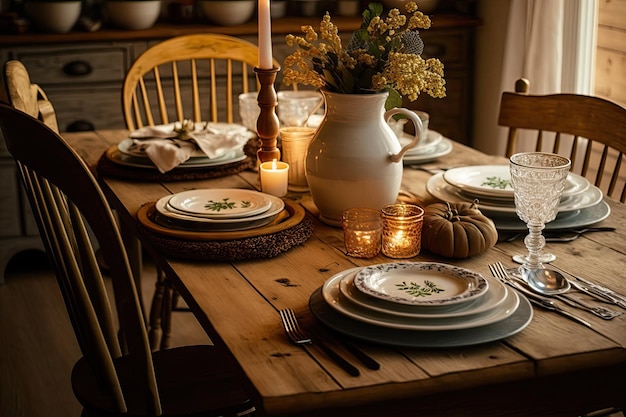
[(293, 211)]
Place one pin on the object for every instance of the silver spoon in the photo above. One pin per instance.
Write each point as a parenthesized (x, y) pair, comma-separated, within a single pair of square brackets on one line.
[(545, 281)]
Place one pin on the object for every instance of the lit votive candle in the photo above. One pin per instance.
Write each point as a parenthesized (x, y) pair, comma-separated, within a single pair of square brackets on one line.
[(274, 177), (362, 231), (402, 230)]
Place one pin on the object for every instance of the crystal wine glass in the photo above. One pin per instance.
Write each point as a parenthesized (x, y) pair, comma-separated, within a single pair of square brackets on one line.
[(538, 180)]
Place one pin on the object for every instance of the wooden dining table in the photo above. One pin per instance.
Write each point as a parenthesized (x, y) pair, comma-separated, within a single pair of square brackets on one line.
[(553, 367)]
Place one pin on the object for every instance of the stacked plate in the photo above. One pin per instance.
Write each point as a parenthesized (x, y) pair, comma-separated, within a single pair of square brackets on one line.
[(581, 203), (226, 209), (420, 305), (428, 149), (129, 154)]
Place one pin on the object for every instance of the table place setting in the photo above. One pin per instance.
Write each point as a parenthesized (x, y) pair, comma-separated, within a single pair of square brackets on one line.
[(581, 203), (224, 224), (186, 144), (419, 304), (179, 151)]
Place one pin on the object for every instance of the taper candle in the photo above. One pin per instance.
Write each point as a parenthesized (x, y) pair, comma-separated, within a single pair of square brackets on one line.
[(265, 35)]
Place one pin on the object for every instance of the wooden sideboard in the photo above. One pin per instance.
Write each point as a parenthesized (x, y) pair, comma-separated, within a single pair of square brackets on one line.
[(82, 74)]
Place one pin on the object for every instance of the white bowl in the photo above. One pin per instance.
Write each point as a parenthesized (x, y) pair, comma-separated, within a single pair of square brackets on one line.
[(54, 17), (228, 12), (133, 15)]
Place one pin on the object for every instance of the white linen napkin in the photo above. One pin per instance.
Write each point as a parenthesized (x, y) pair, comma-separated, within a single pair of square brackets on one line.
[(168, 148)]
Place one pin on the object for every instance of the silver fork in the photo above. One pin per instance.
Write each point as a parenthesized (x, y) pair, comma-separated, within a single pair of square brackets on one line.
[(500, 272), (299, 337)]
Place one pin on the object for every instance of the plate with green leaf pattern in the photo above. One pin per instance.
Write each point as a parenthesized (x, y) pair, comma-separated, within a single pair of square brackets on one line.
[(421, 283), (495, 181), (223, 203)]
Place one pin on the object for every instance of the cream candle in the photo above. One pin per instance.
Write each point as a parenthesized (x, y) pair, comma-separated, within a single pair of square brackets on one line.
[(265, 35), (274, 177)]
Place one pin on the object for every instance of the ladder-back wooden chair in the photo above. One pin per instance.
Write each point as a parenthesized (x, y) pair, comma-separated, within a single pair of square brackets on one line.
[(591, 131), (112, 378), (196, 77)]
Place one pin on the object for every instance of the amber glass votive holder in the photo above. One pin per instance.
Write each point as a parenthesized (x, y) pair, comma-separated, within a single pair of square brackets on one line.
[(362, 231), (402, 230)]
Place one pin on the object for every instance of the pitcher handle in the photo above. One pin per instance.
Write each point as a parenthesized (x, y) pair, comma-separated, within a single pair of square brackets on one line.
[(417, 122)]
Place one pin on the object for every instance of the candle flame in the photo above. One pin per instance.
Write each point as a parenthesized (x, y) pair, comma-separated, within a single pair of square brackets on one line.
[(274, 165)]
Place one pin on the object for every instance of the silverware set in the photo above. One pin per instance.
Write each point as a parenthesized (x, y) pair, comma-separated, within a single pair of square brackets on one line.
[(563, 236), (510, 278), (299, 337)]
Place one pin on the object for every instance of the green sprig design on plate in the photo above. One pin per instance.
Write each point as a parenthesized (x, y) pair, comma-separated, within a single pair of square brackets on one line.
[(496, 182), (225, 205), (417, 290)]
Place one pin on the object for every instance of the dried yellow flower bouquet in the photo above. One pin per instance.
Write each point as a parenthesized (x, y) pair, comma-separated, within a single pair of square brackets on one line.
[(383, 55)]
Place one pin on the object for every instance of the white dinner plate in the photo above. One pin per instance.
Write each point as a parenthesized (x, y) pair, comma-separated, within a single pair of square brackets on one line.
[(235, 155), (335, 298), (568, 220), (221, 203), (495, 181), (442, 190), (275, 208), (433, 138), (420, 283), (443, 148), (493, 298), (499, 330)]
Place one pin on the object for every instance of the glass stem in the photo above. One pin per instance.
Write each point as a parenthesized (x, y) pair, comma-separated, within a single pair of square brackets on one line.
[(534, 242)]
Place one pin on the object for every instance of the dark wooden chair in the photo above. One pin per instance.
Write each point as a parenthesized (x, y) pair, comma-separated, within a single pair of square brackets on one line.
[(117, 375), (595, 129)]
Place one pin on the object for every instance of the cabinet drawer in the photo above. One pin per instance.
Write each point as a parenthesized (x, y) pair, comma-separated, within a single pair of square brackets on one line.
[(88, 64), (100, 107)]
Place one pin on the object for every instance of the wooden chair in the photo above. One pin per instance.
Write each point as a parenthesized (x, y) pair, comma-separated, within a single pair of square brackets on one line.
[(195, 77), (594, 127), (115, 376)]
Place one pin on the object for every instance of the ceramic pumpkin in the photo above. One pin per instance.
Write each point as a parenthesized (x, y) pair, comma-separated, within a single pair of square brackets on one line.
[(457, 230)]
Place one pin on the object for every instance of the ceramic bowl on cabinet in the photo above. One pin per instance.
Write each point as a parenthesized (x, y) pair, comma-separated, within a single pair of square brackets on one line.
[(133, 15), (53, 16), (228, 12)]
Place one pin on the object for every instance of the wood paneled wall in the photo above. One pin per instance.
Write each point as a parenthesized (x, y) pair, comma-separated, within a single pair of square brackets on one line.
[(611, 51)]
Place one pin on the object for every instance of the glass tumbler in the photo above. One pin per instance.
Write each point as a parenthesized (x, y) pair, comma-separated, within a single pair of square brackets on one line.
[(402, 230), (362, 231), (295, 143)]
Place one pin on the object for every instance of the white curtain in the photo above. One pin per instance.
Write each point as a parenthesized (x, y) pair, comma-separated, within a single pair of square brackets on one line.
[(535, 39)]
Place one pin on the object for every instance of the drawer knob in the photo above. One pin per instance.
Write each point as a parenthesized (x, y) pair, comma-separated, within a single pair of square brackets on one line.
[(77, 68), (80, 126)]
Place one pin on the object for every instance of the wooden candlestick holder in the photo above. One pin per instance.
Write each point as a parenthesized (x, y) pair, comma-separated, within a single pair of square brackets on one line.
[(267, 124)]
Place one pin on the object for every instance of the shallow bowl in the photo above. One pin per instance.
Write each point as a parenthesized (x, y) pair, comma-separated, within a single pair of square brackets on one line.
[(228, 12), (133, 15), (53, 17)]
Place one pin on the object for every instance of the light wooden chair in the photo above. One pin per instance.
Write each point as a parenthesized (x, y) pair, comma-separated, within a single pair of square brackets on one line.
[(591, 131), (116, 376), (196, 77)]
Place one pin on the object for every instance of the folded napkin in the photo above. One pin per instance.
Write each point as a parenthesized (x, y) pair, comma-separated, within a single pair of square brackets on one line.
[(170, 145)]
